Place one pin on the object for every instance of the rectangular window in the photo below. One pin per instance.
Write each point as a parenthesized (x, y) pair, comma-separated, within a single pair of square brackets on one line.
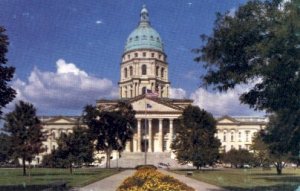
[(247, 136)]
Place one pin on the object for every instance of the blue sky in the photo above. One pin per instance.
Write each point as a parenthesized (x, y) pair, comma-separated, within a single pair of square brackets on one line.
[(67, 53)]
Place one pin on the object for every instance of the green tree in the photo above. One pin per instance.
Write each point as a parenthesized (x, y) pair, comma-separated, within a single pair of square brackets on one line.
[(110, 128), (259, 45), (5, 148), (74, 148), (195, 141), (25, 132), (238, 158), (260, 150), (279, 136), (7, 94)]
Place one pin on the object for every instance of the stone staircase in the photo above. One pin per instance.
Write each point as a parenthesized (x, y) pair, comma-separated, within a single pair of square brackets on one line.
[(131, 160)]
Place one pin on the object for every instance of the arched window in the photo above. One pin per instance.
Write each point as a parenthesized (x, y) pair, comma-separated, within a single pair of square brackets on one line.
[(232, 136), (162, 72), (136, 55), (224, 136), (144, 90), (125, 73), (130, 71), (144, 69), (137, 38), (144, 54), (157, 69)]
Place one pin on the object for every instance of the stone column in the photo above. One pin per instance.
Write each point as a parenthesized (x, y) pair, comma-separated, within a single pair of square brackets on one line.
[(150, 135), (171, 132), (127, 147), (139, 135), (160, 136)]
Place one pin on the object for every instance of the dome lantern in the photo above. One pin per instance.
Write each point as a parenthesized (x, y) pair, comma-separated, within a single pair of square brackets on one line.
[(144, 36)]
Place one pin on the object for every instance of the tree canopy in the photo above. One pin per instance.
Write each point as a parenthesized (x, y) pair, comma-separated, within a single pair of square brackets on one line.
[(195, 141), (7, 94), (25, 132), (238, 158), (259, 44), (110, 128), (74, 148)]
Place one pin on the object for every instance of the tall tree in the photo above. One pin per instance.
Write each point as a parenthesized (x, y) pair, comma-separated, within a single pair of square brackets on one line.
[(259, 45), (74, 148), (25, 132), (5, 148), (7, 94), (195, 141), (111, 128)]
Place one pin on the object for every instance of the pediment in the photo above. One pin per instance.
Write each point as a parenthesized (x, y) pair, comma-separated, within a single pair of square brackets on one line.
[(227, 120), (154, 105), (61, 120)]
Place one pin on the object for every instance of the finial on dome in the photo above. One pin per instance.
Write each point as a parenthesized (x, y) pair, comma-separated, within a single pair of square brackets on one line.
[(144, 14)]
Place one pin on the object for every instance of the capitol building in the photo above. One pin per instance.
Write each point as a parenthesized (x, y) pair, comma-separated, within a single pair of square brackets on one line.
[(144, 82)]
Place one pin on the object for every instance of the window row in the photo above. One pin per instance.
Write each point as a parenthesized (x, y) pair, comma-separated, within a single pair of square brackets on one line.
[(232, 136), (144, 37), (129, 71), (144, 54)]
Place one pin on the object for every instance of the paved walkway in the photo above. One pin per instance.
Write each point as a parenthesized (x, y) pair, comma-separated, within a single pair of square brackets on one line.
[(197, 185), (111, 183)]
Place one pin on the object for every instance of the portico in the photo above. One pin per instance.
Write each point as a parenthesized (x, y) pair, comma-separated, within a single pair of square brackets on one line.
[(156, 125)]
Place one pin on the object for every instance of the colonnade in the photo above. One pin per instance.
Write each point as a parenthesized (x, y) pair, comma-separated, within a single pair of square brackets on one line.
[(158, 141)]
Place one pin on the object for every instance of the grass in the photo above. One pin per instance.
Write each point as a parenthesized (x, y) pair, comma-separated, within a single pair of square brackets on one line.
[(41, 176), (249, 179)]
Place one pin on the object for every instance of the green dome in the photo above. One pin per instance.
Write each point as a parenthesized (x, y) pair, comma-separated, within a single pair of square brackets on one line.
[(144, 36)]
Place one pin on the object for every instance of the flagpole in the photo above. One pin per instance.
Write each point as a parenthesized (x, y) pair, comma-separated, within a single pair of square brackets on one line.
[(145, 126)]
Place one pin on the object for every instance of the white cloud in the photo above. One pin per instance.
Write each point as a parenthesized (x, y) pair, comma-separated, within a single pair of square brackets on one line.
[(177, 93), (67, 88), (98, 22), (223, 103)]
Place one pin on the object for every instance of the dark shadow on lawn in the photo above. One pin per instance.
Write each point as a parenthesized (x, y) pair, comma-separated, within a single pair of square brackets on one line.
[(289, 179), (195, 170), (62, 174), (272, 174), (56, 186), (279, 187)]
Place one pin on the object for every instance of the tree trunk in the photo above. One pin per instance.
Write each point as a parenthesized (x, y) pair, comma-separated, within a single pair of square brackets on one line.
[(24, 166), (108, 154), (279, 170), (279, 167), (71, 168)]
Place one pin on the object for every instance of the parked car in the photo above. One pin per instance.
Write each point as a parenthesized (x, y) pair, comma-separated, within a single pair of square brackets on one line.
[(163, 165)]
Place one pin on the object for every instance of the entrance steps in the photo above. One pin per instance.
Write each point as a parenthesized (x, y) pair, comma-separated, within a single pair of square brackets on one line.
[(131, 160)]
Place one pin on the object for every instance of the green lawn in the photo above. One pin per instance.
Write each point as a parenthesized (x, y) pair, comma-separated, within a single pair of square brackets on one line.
[(80, 177), (250, 179)]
